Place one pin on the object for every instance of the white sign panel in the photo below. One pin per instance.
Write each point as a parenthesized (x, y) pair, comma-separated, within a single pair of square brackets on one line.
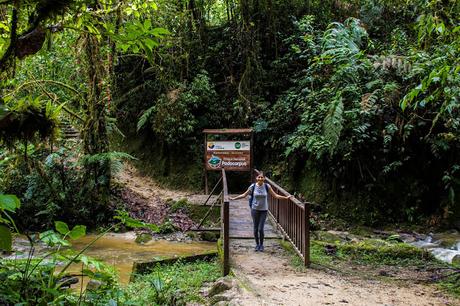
[(228, 146)]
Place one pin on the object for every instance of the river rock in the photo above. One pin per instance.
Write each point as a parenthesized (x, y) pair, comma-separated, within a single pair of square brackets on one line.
[(456, 260), (143, 238), (220, 286), (407, 238), (326, 236), (220, 299), (210, 236), (94, 284)]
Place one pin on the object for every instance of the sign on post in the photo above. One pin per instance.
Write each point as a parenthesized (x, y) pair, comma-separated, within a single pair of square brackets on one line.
[(231, 155)]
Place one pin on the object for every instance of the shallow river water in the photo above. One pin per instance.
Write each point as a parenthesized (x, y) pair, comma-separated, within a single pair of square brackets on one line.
[(121, 250), (444, 246)]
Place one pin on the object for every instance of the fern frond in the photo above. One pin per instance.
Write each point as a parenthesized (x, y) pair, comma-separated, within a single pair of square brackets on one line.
[(333, 124), (369, 100), (145, 117), (113, 158)]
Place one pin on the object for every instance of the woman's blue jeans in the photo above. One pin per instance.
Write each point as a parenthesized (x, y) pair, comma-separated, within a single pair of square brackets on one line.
[(258, 218)]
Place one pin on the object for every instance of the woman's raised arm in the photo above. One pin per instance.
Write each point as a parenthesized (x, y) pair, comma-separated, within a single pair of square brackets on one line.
[(274, 194), (241, 195)]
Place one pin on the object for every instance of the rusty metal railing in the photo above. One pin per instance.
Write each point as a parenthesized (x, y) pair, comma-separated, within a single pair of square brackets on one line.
[(292, 218)]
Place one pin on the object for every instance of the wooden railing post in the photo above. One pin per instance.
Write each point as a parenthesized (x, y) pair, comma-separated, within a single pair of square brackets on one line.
[(306, 219), (226, 224), (226, 239)]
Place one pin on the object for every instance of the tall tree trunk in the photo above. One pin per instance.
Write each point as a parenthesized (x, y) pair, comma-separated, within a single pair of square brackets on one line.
[(95, 137)]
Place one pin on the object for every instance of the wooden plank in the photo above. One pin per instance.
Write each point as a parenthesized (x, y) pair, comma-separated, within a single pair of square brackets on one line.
[(241, 225)]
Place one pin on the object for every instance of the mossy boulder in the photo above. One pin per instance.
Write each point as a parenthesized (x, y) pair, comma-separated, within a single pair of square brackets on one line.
[(456, 260), (210, 236), (143, 238), (380, 250), (326, 236), (447, 239)]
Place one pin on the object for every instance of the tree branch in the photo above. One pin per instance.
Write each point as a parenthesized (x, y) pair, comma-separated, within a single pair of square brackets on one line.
[(14, 27)]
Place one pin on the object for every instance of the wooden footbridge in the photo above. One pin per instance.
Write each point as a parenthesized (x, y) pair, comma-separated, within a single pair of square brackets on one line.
[(291, 219)]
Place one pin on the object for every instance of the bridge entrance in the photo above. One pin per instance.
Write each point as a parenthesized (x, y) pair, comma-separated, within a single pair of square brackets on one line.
[(290, 217)]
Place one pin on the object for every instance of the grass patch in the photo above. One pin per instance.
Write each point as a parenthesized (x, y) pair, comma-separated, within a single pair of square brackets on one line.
[(451, 283), (295, 260), (375, 253), (380, 252), (174, 284)]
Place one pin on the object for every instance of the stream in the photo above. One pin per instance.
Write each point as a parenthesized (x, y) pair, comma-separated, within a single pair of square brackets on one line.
[(121, 250), (443, 246)]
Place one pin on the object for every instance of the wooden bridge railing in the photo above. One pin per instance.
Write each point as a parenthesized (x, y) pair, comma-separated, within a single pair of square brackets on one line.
[(225, 217), (292, 218)]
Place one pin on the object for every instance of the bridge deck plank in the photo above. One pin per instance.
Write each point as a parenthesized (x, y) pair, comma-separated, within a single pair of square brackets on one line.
[(241, 221)]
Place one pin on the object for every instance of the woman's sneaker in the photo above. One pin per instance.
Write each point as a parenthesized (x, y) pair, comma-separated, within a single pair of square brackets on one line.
[(261, 248), (256, 249)]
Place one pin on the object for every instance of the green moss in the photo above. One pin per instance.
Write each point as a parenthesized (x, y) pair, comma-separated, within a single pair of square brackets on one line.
[(209, 236), (313, 185), (197, 212), (220, 251), (380, 252), (166, 227), (326, 236)]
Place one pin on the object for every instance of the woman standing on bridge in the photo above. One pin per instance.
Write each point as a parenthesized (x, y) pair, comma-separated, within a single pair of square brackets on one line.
[(259, 206)]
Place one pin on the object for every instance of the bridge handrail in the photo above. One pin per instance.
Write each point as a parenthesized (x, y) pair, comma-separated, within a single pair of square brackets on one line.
[(281, 190), (292, 218)]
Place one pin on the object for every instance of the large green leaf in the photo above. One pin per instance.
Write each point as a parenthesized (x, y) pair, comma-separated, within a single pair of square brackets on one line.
[(160, 31), (52, 238), (6, 240), (77, 232), (62, 227), (9, 202)]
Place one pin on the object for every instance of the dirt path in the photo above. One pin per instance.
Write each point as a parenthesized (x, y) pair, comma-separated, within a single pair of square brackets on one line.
[(270, 279), (145, 186), (148, 188), (146, 200)]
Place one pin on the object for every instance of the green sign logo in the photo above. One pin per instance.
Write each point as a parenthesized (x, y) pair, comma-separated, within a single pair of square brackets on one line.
[(237, 145)]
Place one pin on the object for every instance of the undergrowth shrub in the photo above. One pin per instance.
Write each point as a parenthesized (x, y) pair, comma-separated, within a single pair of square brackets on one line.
[(360, 119), (55, 186)]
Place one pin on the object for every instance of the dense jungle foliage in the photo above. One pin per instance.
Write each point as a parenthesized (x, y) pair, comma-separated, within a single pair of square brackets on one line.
[(354, 103)]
